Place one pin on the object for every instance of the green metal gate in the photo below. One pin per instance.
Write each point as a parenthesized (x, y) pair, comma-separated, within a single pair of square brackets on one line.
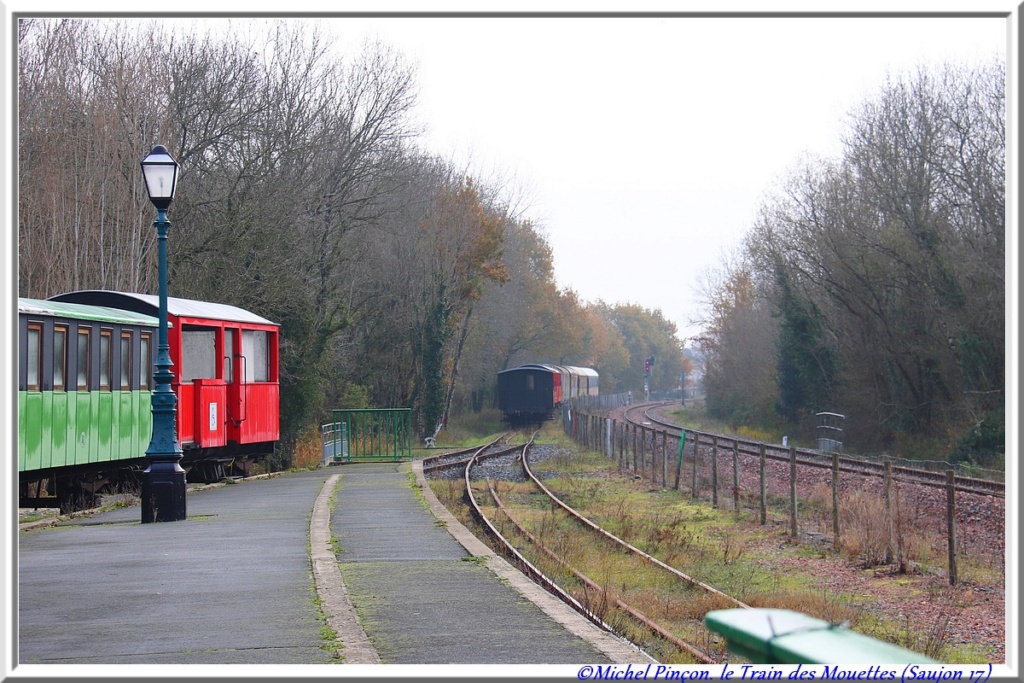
[(374, 435)]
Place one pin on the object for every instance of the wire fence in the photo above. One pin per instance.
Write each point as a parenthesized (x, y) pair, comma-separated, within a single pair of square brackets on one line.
[(885, 519)]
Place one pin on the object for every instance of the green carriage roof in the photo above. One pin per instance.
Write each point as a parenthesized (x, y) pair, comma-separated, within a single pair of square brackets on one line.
[(60, 309)]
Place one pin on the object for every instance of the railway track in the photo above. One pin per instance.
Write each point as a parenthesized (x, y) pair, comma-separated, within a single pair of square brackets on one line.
[(451, 465), (643, 416), (520, 513), (545, 541)]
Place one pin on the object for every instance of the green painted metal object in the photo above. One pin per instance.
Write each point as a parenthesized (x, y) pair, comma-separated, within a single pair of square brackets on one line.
[(59, 309), (63, 429), (372, 435), (780, 636)]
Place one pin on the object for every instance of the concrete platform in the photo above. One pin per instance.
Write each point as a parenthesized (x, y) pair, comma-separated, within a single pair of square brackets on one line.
[(423, 598), (230, 584), (252, 577)]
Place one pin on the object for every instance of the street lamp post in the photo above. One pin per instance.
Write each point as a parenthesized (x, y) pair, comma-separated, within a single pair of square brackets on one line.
[(163, 482)]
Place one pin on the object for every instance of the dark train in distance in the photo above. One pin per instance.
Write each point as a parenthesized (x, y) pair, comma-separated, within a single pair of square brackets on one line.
[(85, 381), (530, 394)]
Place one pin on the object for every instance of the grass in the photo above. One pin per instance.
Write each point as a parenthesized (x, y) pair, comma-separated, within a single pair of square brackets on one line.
[(651, 590), (721, 547), (329, 639), (710, 545), (35, 516), (467, 430), (695, 417)]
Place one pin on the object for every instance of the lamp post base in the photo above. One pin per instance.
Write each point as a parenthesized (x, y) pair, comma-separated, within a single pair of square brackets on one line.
[(163, 492)]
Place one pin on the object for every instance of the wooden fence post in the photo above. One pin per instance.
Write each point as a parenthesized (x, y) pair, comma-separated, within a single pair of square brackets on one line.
[(608, 437), (714, 471), (888, 512), (622, 440), (643, 456), (665, 450), (636, 469), (638, 440), (623, 445), (616, 445), (735, 475), (764, 489), (679, 460), (835, 501), (696, 445), (665, 463), (951, 524), (792, 492)]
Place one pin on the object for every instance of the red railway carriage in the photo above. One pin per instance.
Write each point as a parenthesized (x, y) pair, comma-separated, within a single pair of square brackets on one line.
[(226, 376)]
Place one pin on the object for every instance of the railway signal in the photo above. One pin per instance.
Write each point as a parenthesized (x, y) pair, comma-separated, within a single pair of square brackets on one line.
[(648, 362)]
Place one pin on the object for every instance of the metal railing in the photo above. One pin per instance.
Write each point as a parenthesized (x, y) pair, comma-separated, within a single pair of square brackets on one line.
[(334, 441), (367, 435)]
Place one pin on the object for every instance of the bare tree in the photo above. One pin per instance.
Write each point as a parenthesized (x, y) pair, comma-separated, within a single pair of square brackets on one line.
[(89, 101), (892, 256)]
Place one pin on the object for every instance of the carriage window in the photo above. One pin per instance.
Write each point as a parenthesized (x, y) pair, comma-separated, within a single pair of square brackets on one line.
[(199, 354), (35, 356), (83, 358), (257, 357), (60, 356), (529, 382), (229, 353), (106, 340), (126, 361), (145, 362)]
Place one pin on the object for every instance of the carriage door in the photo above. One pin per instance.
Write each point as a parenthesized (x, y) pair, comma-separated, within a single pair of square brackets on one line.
[(234, 375), (202, 392)]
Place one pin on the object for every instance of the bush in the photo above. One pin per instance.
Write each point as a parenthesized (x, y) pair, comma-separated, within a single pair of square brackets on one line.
[(984, 444)]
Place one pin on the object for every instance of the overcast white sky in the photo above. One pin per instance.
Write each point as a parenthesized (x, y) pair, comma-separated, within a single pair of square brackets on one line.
[(646, 145), (643, 147)]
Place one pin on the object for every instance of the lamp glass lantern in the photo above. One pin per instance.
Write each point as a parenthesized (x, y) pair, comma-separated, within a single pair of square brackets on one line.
[(160, 171)]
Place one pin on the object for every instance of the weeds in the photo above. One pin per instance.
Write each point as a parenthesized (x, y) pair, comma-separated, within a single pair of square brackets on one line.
[(877, 537), (721, 549), (329, 640), (308, 449), (732, 548)]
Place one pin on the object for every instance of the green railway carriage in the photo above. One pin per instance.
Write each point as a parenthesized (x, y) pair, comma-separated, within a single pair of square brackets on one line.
[(84, 398)]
